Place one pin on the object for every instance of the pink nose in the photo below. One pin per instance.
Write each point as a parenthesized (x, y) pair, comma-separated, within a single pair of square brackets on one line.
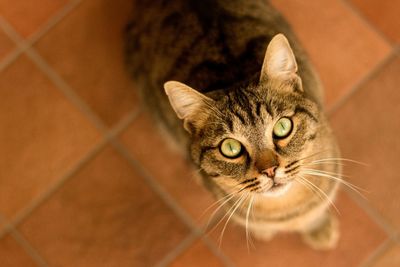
[(270, 172)]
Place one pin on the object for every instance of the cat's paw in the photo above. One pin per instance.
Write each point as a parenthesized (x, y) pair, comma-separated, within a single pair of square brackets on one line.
[(324, 237), (263, 235)]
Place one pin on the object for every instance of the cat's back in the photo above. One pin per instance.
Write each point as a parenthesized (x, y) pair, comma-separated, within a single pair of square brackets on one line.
[(209, 44)]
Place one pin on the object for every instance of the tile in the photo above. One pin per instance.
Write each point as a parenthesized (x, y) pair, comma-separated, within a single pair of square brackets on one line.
[(341, 46), (367, 129), (105, 215), (359, 238), (27, 16), (198, 255), (42, 135), (382, 14), (175, 174), (86, 49), (13, 255), (390, 258), (6, 45)]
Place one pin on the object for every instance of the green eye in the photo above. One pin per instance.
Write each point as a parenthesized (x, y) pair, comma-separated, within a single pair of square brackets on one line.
[(283, 128), (230, 148)]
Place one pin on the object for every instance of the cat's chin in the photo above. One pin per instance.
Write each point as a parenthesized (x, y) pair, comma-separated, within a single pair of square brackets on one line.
[(277, 190)]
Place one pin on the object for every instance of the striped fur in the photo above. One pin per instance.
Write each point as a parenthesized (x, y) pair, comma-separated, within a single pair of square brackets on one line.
[(218, 48)]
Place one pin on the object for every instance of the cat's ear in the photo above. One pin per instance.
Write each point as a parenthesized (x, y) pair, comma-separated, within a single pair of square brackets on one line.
[(279, 61), (188, 104)]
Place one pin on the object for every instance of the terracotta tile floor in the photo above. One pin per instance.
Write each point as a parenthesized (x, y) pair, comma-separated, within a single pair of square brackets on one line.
[(80, 184)]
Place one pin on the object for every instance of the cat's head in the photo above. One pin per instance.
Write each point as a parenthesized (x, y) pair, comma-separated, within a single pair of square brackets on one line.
[(252, 138)]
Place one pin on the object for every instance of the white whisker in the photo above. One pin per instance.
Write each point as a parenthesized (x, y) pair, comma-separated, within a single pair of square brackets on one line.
[(340, 159), (322, 192), (248, 237), (226, 213), (218, 208), (348, 184), (242, 198)]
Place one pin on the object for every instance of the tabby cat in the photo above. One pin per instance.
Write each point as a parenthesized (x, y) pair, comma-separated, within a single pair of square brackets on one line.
[(250, 104)]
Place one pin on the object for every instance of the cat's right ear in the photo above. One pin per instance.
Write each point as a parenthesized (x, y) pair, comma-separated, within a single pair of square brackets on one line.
[(279, 62), (188, 104)]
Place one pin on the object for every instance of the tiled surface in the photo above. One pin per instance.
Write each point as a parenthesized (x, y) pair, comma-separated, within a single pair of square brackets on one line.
[(108, 212), (148, 146), (389, 259), (6, 45), (89, 56), (43, 135), (367, 129), (26, 17), (382, 14), (337, 40), (198, 255), (107, 226), (359, 237), (13, 255)]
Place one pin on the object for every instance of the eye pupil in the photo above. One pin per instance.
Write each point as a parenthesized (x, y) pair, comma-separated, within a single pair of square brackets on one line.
[(230, 148), (283, 127)]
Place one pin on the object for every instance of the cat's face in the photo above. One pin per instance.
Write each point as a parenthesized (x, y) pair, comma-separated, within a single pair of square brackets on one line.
[(252, 139), (256, 138)]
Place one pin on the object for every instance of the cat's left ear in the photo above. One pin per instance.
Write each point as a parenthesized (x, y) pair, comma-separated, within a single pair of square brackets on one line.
[(188, 104), (279, 61)]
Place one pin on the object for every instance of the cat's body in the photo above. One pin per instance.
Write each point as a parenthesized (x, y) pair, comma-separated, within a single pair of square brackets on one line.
[(218, 48)]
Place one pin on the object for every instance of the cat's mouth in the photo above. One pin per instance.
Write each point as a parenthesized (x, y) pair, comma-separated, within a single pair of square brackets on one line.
[(277, 189)]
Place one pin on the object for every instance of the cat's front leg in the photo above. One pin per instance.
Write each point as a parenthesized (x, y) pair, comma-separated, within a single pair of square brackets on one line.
[(324, 235), (263, 234)]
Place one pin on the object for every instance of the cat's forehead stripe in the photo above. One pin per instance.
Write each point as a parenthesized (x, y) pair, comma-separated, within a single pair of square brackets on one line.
[(300, 109)]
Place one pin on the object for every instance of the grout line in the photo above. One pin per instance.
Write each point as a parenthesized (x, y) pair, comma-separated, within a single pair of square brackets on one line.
[(10, 58), (197, 231), (52, 21), (218, 252), (372, 213), (377, 253), (11, 33), (178, 250), (22, 215), (372, 73), (28, 248), (66, 89), (109, 135), (42, 30), (59, 81), (123, 123), (52, 75), (367, 22), (156, 186)]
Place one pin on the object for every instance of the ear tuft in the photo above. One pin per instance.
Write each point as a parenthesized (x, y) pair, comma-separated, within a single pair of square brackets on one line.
[(279, 60)]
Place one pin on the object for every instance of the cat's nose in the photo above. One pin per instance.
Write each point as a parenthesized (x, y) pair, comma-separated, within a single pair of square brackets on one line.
[(270, 172), (266, 163)]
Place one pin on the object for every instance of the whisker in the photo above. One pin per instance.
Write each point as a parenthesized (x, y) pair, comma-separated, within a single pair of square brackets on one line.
[(325, 163), (217, 209), (217, 202), (341, 159), (314, 154), (242, 198), (301, 181), (226, 214), (325, 172), (322, 192), (250, 186), (248, 237), (348, 184)]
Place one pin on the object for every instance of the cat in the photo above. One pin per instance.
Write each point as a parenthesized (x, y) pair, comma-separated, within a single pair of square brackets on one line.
[(230, 83)]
